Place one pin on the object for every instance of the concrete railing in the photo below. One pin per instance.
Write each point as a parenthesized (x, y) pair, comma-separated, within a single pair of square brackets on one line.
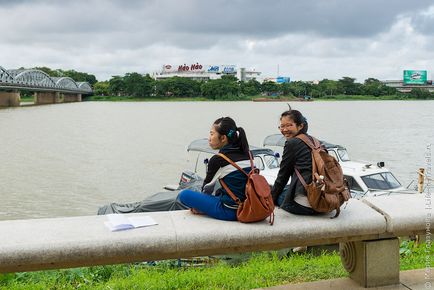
[(366, 230)]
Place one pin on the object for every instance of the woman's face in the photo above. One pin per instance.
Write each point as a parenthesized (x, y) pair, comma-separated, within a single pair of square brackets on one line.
[(288, 127), (215, 140)]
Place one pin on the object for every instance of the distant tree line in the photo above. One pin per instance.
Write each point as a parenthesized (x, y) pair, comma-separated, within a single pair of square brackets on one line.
[(229, 87)]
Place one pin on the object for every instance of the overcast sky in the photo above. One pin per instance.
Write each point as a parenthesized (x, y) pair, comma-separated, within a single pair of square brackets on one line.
[(306, 39)]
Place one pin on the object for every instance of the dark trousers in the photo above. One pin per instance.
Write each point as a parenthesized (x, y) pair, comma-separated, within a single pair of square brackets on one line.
[(293, 207)]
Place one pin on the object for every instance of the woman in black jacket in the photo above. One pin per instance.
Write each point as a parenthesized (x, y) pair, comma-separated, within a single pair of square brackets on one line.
[(296, 154)]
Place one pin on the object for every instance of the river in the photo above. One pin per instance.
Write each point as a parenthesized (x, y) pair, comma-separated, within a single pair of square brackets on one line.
[(69, 159)]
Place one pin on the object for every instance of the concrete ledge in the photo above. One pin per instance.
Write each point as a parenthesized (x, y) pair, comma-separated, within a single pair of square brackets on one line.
[(38, 244), (406, 214), (200, 235)]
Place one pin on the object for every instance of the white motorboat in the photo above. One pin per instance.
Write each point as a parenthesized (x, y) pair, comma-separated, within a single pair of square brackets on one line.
[(264, 159), (364, 178)]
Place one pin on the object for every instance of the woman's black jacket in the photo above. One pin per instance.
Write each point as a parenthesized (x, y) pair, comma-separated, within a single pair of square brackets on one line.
[(296, 154)]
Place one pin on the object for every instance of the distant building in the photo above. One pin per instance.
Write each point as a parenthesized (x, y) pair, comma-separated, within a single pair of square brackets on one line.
[(199, 72), (248, 75), (278, 80), (411, 79), (404, 88)]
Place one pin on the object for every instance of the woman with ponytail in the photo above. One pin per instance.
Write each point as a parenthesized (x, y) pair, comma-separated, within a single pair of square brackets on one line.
[(232, 142), (296, 155)]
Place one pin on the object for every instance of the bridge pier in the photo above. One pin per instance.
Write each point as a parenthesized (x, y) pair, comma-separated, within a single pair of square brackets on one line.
[(10, 99), (68, 98), (42, 98)]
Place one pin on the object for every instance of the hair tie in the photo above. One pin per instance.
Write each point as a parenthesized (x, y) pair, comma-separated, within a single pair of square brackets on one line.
[(231, 133)]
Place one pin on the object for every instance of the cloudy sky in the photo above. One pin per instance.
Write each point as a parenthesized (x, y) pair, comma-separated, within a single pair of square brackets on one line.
[(304, 39)]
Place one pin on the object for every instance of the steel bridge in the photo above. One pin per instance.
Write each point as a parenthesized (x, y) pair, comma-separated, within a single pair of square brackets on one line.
[(47, 90)]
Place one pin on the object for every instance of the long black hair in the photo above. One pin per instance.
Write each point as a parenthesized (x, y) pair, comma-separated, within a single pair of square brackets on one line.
[(236, 135), (298, 118)]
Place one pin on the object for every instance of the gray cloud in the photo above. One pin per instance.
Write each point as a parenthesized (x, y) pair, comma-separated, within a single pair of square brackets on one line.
[(114, 37)]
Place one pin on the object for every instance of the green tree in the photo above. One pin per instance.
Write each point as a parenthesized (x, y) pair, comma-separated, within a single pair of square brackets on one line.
[(349, 86), (286, 89), (80, 76), (328, 87), (226, 87), (270, 88), (178, 87), (137, 85), (298, 88), (250, 88), (421, 94), (117, 86), (101, 88), (374, 87)]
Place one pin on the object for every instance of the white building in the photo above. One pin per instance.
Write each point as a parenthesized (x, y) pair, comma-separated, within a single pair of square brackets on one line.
[(197, 71)]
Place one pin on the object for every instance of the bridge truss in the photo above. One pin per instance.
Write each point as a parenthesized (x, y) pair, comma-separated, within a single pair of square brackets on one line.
[(33, 79)]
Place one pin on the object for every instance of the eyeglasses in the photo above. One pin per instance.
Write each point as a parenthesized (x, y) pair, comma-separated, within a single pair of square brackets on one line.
[(285, 126)]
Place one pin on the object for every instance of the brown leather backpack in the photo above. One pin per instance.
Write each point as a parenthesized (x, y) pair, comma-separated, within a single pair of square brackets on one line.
[(328, 189), (258, 204)]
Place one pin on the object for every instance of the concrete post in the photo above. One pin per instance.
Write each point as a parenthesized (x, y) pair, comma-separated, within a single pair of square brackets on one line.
[(420, 180), (68, 98), (372, 263), (42, 98), (58, 98), (10, 99)]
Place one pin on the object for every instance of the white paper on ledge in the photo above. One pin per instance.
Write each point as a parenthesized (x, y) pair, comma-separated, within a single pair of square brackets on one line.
[(119, 222)]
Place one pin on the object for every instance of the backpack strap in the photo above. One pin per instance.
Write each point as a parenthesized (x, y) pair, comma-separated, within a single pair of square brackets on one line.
[(313, 144), (231, 194), (236, 165), (300, 177), (225, 186)]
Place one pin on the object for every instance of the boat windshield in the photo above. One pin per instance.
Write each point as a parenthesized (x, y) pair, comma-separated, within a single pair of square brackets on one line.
[(381, 181), (271, 161), (343, 155)]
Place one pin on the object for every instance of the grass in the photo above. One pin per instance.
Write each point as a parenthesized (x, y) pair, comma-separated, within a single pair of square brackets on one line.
[(27, 99), (261, 270)]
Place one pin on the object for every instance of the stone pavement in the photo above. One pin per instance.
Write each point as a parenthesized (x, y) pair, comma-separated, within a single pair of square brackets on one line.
[(411, 279)]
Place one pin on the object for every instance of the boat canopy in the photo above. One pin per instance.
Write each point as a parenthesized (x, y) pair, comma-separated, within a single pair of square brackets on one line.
[(201, 145), (279, 140)]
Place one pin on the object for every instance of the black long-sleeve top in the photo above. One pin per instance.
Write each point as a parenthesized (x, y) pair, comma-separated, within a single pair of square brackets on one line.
[(296, 154)]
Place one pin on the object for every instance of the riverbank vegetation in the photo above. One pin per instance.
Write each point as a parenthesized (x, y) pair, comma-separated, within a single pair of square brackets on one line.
[(138, 87), (134, 86), (260, 270)]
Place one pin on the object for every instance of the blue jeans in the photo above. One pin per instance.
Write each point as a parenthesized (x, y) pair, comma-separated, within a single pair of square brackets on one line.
[(207, 204)]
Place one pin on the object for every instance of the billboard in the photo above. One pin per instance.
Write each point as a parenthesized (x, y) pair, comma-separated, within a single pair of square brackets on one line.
[(415, 77), (199, 68), (281, 80)]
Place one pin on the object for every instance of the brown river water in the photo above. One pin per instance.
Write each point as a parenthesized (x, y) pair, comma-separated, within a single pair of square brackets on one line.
[(69, 159)]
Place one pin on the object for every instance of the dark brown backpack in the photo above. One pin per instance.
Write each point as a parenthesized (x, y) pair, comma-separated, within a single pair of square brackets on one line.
[(258, 204), (328, 189)]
